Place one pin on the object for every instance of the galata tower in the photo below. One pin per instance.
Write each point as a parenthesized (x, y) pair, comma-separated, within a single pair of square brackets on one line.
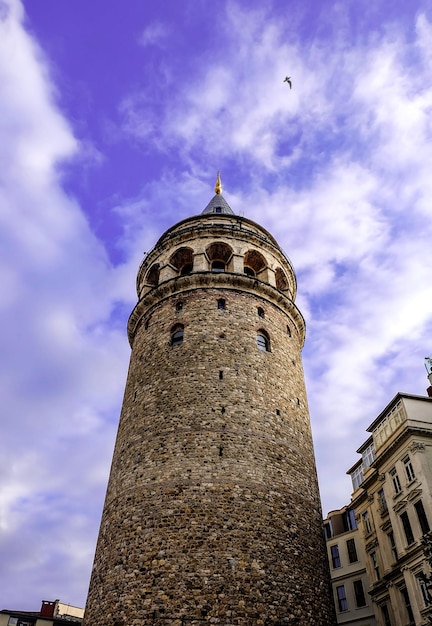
[(212, 510)]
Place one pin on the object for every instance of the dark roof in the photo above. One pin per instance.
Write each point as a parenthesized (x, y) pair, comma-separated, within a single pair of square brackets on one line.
[(218, 202)]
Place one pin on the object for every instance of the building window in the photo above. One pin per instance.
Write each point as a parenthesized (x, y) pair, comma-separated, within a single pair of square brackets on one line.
[(349, 520), (336, 562), (177, 335), (352, 552), (341, 597), (368, 456), (260, 311), (421, 514), (182, 261), (179, 306), (407, 528), (248, 271), (359, 593), (357, 477), (221, 304), (383, 507), (328, 530), (395, 480), (152, 277), (218, 267), (375, 565), (421, 580), (406, 598), (263, 341), (409, 470), (393, 544), (367, 525), (386, 615)]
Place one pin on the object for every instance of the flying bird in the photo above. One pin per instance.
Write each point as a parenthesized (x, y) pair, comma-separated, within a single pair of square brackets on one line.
[(288, 80)]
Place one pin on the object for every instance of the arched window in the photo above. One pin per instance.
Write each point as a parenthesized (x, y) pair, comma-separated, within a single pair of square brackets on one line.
[(281, 279), (219, 255), (152, 277), (263, 341), (179, 306), (260, 311), (182, 260), (254, 263), (221, 304), (177, 333), (218, 266)]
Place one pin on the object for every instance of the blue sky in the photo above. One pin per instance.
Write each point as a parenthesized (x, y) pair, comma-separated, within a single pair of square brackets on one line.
[(114, 119)]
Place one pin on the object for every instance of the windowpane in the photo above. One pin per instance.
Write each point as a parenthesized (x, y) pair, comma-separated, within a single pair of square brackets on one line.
[(396, 482), (177, 335), (263, 342), (386, 615), (359, 593), (335, 556), (352, 552), (407, 528), (421, 514), (409, 470), (342, 600), (218, 266)]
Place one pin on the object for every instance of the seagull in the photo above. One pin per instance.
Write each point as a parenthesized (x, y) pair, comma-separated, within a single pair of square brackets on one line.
[(288, 80)]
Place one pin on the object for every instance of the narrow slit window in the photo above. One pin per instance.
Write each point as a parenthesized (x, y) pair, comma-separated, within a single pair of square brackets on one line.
[(221, 304), (177, 334), (263, 341)]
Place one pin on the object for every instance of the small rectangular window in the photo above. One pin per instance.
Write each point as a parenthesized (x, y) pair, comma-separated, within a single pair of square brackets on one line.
[(375, 564), (342, 599), (359, 593), (386, 615), (367, 523), (421, 514), (383, 507), (336, 562), (395, 480), (407, 603), (352, 552), (409, 470), (407, 528), (393, 544)]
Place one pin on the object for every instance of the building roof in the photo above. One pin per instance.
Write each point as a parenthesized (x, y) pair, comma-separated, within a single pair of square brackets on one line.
[(218, 204)]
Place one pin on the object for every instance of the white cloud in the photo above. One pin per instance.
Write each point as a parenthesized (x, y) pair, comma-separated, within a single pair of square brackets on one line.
[(63, 363)]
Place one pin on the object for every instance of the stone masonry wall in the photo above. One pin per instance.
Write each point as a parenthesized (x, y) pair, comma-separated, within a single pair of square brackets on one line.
[(212, 511)]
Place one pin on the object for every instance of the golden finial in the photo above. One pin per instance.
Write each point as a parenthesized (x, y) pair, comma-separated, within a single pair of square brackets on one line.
[(218, 188)]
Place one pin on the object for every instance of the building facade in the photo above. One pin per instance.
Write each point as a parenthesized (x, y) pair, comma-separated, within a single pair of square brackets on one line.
[(392, 498), (212, 510), (347, 560), (52, 613)]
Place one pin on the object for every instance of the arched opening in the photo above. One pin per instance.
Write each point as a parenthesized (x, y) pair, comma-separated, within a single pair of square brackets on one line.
[(263, 340), (182, 260), (281, 279), (260, 311), (218, 266), (219, 254), (177, 333), (152, 277), (254, 263)]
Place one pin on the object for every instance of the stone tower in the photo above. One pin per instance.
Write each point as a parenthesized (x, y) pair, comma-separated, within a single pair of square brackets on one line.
[(212, 511)]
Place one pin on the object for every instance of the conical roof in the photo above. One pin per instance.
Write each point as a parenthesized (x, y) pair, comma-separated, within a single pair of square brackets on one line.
[(218, 204)]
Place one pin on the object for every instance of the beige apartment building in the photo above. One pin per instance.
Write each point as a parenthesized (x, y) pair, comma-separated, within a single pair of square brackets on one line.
[(347, 559), (392, 484)]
